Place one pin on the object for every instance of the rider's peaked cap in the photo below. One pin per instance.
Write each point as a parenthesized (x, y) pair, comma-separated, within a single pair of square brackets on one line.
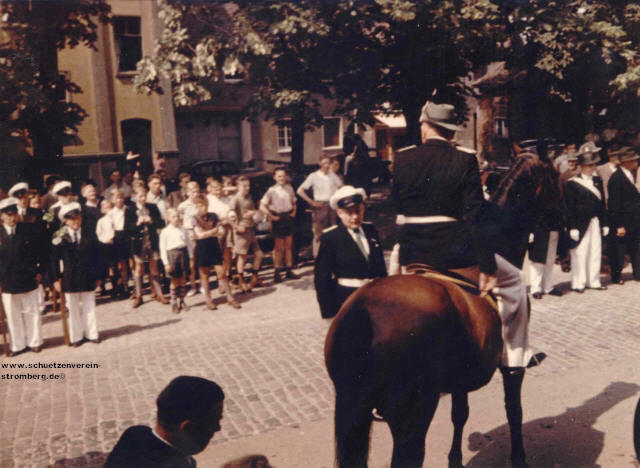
[(441, 115), (347, 196)]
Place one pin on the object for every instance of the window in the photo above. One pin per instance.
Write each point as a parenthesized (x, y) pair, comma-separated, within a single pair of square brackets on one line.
[(501, 128), (332, 132), (284, 136), (128, 42)]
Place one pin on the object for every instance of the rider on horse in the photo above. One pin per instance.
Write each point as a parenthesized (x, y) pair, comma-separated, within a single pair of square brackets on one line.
[(438, 194)]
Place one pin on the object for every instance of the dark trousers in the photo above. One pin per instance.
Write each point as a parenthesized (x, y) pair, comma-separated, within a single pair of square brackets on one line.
[(618, 246)]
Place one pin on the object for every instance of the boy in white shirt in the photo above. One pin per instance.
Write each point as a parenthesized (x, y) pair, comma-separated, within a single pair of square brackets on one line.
[(279, 204), (176, 250), (187, 210)]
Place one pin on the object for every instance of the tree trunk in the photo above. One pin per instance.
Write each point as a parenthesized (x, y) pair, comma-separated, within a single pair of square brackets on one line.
[(411, 113), (297, 140)]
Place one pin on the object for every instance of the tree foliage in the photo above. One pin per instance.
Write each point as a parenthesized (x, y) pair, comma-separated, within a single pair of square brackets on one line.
[(392, 55), (32, 90)]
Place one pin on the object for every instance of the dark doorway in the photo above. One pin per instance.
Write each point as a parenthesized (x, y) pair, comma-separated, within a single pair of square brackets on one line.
[(136, 137)]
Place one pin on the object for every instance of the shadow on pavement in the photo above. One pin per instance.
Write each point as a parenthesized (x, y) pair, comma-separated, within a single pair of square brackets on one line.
[(88, 460), (567, 439), (112, 333)]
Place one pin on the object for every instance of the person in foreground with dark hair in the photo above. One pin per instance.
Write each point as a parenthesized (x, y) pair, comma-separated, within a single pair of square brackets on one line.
[(189, 414)]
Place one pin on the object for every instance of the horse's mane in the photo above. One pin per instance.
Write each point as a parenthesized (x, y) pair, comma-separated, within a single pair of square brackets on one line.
[(516, 181)]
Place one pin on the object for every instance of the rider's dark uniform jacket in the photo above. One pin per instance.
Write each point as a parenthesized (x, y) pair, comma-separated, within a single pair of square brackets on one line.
[(437, 179), (340, 257)]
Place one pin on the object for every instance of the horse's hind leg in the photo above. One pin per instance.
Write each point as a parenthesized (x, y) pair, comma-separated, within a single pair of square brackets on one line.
[(352, 426), (512, 382), (409, 420), (459, 415)]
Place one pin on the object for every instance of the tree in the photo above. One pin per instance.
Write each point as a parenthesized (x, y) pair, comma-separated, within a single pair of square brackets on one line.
[(577, 54), (32, 90), (363, 54)]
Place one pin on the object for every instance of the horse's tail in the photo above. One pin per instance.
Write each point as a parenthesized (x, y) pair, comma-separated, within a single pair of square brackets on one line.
[(349, 362)]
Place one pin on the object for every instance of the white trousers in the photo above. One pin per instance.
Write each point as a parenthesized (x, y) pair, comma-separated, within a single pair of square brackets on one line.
[(82, 315), (586, 258), (23, 319), (541, 274), (514, 312)]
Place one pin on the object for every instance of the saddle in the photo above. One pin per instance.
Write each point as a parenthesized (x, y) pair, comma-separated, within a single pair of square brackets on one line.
[(447, 276)]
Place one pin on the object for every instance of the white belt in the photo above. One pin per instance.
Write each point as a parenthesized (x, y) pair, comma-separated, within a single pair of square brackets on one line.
[(353, 282), (402, 219)]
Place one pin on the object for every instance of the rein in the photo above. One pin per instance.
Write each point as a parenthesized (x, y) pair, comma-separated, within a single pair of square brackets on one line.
[(429, 272)]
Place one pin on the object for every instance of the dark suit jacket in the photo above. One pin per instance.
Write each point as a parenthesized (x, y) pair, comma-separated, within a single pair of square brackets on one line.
[(21, 259), (136, 233), (438, 179), (582, 205), (81, 263), (624, 203), (138, 447), (340, 257)]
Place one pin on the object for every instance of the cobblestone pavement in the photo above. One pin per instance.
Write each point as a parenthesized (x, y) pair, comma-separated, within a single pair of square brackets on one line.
[(268, 357)]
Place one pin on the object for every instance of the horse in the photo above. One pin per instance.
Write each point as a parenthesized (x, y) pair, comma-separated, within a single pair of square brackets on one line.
[(397, 343)]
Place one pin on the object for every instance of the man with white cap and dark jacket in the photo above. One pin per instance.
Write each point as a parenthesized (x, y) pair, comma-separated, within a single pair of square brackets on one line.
[(77, 251), (20, 274), (350, 254)]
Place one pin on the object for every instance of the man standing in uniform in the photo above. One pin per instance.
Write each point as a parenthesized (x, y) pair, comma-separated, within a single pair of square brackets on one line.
[(324, 184), (20, 274), (438, 194), (624, 214), (75, 263), (584, 198), (350, 254)]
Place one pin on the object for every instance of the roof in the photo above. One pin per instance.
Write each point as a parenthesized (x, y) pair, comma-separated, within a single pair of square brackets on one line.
[(391, 121)]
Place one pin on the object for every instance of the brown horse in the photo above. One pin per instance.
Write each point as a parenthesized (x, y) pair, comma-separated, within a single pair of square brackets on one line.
[(396, 345)]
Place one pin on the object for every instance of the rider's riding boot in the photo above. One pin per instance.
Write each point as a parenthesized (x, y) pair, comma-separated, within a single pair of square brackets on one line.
[(512, 378)]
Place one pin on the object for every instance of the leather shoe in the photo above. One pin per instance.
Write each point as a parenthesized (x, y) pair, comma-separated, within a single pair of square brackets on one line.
[(617, 281), (579, 291), (234, 304), (599, 288), (96, 341), (15, 353), (536, 359), (76, 344), (555, 292), (36, 349), (537, 295)]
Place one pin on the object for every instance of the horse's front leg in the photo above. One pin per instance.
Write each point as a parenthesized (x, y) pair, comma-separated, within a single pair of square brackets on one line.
[(459, 416), (512, 382)]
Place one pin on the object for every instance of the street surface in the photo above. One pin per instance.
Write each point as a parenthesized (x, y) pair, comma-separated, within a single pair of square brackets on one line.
[(268, 357)]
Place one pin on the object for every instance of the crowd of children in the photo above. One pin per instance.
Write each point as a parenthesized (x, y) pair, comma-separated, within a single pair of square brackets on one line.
[(138, 228)]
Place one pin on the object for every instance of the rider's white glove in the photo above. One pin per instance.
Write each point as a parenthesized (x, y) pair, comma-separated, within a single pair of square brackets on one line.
[(531, 237), (605, 231), (575, 235)]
